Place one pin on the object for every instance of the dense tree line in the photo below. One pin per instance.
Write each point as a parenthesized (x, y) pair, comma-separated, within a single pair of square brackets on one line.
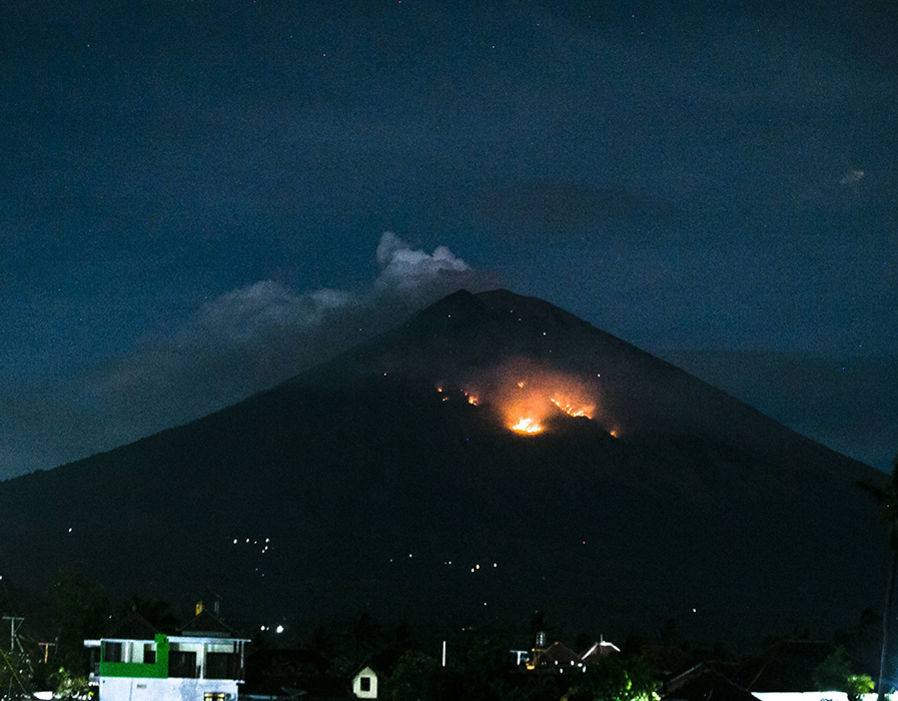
[(479, 666)]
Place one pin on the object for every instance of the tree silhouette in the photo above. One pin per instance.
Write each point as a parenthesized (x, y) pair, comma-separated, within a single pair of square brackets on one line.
[(80, 611), (157, 612), (887, 496)]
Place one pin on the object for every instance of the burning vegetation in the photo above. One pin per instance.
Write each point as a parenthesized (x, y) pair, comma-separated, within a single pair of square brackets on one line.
[(529, 403), (527, 425), (527, 396)]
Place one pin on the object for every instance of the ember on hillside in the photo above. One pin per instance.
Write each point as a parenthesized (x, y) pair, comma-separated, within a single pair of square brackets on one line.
[(527, 395)]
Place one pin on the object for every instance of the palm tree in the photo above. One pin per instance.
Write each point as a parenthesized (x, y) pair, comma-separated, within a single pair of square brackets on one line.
[(887, 496)]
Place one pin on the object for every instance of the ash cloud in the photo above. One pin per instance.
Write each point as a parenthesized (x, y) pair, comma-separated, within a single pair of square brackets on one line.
[(405, 269), (248, 312), (239, 343)]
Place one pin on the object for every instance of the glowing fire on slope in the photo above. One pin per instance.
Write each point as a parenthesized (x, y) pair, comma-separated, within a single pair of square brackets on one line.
[(562, 404), (528, 396), (525, 425), (535, 413)]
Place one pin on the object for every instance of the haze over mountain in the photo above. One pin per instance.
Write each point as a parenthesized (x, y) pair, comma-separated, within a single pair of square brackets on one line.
[(187, 192), (390, 479), (848, 404)]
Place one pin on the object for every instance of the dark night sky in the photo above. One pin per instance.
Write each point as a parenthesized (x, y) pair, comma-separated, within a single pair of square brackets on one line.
[(193, 196)]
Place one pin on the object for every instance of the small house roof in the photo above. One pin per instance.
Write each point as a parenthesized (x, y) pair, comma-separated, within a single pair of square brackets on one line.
[(367, 666), (556, 655), (704, 681), (600, 648)]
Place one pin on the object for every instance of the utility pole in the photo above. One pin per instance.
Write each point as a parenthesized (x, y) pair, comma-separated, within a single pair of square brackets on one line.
[(15, 622), (46, 647)]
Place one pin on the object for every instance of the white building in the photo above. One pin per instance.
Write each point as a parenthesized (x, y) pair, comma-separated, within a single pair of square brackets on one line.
[(364, 684), (204, 663)]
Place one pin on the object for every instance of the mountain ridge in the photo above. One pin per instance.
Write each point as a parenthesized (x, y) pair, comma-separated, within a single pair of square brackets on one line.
[(496, 303), (352, 485)]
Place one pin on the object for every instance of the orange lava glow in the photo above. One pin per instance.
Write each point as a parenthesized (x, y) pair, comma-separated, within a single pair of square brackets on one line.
[(531, 395), (528, 396), (575, 410), (527, 426)]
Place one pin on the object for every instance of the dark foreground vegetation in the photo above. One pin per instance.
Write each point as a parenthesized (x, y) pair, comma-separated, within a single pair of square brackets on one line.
[(46, 652), (317, 491)]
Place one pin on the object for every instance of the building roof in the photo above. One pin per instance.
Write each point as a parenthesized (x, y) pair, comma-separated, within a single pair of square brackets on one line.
[(556, 656), (136, 627), (366, 666), (704, 682), (597, 650), (131, 627), (206, 624), (787, 665)]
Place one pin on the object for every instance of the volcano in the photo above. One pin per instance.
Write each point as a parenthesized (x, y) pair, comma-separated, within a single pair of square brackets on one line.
[(392, 480)]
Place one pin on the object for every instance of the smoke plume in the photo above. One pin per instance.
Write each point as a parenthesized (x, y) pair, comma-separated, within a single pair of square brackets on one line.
[(241, 342)]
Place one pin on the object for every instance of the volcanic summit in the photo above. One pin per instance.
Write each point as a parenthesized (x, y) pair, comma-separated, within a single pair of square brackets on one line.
[(492, 456)]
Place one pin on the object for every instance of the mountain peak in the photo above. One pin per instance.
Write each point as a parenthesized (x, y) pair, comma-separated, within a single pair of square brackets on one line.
[(486, 340), (497, 303), (381, 479)]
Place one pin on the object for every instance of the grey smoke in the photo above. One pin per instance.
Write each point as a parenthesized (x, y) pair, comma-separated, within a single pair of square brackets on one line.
[(234, 345)]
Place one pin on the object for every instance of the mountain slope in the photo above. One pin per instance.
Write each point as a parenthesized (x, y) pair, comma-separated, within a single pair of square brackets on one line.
[(372, 482), (850, 403)]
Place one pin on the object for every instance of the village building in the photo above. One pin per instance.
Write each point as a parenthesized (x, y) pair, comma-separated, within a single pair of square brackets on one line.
[(364, 683), (559, 658), (599, 649), (205, 662)]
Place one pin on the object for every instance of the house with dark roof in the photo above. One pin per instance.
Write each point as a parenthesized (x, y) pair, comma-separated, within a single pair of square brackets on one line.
[(704, 682), (559, 658), (205, 623), (556, 658), (204, 662), (786, 665)]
